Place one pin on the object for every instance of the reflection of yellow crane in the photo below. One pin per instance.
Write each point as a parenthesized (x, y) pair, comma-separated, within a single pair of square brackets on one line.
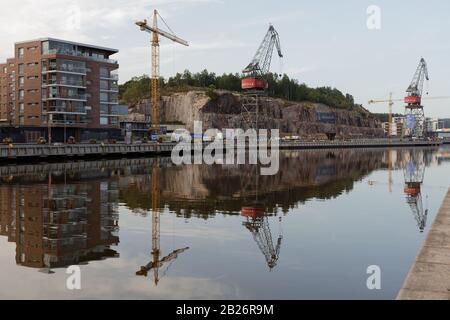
[(157, 263), (155, 89)]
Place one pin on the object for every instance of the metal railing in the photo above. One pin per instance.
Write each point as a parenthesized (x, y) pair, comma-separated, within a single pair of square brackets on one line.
[(79, 54), (63, 68), (82, 97), (65, 83)]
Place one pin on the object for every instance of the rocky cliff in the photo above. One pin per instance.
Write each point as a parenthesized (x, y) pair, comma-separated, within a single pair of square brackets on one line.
[(224, 111)]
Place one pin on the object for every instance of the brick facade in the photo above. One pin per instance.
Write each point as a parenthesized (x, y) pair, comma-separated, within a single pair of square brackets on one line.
[(59, 89)]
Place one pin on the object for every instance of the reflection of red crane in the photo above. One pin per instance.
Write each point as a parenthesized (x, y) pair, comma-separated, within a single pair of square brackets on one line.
[(258, 224), (414, 173), (157, 263)]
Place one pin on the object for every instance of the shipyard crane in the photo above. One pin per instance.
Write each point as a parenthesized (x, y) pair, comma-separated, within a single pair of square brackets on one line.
[(254, 84), (259, 67), (156, 262), (156, 32), (415, 116)]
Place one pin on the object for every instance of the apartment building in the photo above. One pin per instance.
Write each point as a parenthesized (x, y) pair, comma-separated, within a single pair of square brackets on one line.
[(3, 94), (57, 89)]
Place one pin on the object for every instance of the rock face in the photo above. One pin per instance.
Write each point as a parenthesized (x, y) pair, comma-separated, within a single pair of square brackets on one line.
[(299, 118)]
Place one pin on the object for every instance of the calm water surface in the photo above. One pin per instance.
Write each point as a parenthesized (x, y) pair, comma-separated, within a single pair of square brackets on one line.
[(310, 232)]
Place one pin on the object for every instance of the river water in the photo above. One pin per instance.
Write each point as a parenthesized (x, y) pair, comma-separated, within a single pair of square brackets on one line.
[(146, 229)]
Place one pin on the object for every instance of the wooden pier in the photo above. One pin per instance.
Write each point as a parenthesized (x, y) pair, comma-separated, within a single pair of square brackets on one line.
[(429, 277)]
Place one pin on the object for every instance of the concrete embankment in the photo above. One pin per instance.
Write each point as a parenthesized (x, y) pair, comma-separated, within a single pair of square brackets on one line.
[(18, 152), (429, 277)]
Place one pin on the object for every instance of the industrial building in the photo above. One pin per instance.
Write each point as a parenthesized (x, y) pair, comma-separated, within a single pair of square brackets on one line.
[(56, 89)]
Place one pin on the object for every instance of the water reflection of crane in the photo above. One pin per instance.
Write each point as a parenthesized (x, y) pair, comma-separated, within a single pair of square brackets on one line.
[(258, 224), (414, 172), (157, 263)]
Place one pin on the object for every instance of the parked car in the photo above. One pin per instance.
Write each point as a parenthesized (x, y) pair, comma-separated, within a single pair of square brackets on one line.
[(180, 135)]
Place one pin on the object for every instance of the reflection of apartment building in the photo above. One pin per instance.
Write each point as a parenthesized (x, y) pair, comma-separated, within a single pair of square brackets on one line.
[(67, 88), (60, 224)]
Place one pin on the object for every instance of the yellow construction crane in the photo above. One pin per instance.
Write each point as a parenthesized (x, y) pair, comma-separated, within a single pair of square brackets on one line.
[(155, 32), (390, 103), (155, 86)]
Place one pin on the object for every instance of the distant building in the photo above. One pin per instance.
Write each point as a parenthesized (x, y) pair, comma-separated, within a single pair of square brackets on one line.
[(59, 88), (431, 125), (397, 127), (443, 129)]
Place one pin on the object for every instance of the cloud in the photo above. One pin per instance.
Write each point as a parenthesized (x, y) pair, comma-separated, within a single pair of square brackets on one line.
[(80, 20)]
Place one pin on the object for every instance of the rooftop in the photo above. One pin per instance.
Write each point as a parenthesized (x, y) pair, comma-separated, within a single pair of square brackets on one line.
[(110, 50)]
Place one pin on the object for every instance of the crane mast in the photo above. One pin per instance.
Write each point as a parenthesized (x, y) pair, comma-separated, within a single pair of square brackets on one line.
[(156, 32)]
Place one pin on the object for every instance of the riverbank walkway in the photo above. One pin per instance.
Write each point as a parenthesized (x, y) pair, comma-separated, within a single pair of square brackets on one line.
[(429, 277)]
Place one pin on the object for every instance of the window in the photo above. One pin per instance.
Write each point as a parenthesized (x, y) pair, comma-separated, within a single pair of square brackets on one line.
[(104, 84), (21, 120), (21, 94), (104, 72), (21, 81), (21, 68), (103, 120), (104, 96), (21, 52), (21, 107)]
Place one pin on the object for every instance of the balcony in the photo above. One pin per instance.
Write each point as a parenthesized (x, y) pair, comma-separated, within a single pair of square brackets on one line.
[(65, 83), (67, 110), (75, 97), (113, 88), (112, 76), (81, 55), (66, 69)]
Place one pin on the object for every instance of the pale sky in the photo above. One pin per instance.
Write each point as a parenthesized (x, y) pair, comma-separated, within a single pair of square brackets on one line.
[(325, 42)]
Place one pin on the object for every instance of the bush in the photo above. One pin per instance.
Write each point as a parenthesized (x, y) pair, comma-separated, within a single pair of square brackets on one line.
[(211, 93), (7, 141), (112, 141), (41, 140), (93, 141)]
